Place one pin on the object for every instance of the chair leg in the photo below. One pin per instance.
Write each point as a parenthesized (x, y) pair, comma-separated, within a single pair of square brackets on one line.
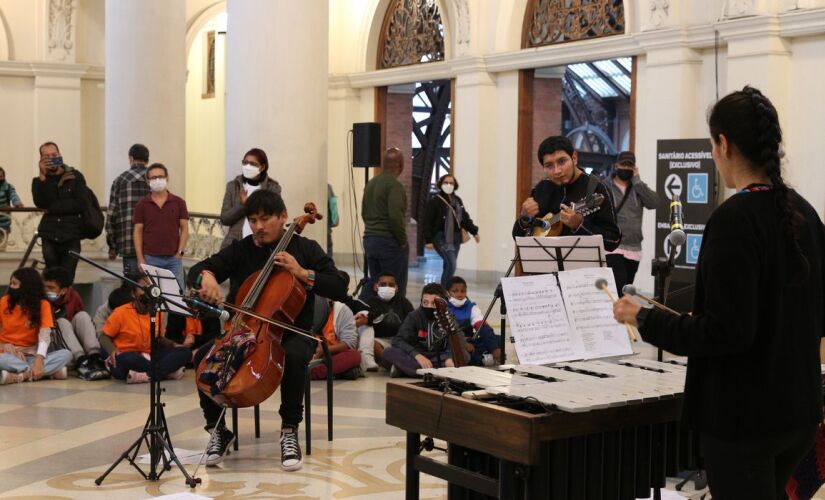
[(329, 399), (257, 421), (308, 413), (235, 428)]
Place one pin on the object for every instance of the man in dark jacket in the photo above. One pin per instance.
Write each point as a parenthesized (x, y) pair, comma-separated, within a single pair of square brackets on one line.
[(61, 191), (565, 186), (420, 342)]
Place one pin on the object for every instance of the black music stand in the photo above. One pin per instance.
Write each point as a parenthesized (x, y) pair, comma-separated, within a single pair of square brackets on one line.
[(545, 255), (155, 432)]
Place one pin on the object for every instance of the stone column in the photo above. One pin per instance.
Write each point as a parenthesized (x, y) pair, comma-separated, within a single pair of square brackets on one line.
[(146, 85), (276, 86)]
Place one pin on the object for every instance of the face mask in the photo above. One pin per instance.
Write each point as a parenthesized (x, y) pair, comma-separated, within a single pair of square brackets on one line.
[(250, 171), (448, 188), (458, 302), (2, 182), (52, 296), (14, 293), (624, 175), (429, 313), (157, 185), (386, 293)]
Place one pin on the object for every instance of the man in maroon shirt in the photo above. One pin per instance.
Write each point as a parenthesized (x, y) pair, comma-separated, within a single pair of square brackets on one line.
[(161, 225)]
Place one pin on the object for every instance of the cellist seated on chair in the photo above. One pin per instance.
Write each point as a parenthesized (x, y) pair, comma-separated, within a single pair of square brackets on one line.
[(421, 343), (308, 262)]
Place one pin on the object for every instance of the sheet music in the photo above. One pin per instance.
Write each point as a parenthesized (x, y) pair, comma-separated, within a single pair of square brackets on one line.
[(538, 254), (536, 313), (590, 312)]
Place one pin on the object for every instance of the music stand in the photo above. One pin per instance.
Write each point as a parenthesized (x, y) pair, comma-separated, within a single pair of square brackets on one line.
[(156, 431), (551, 254)]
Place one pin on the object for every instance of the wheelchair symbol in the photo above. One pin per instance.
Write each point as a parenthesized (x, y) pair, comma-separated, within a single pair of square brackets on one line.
[(694, 244), (697, 188)]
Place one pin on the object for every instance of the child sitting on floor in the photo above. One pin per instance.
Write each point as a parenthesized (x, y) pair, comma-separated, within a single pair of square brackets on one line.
[(468, 315)]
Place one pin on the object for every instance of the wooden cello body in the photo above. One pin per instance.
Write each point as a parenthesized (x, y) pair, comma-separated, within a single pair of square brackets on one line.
[(273, 293)]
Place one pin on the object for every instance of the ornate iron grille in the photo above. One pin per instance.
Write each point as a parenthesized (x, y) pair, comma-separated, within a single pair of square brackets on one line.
[(557, 21), (412, 34)]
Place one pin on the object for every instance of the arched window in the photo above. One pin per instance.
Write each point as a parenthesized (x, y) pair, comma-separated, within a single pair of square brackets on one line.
[(555, 21), (412, 33)]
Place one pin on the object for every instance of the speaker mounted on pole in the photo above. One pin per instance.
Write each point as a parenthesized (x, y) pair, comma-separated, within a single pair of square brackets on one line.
[(366, 144)]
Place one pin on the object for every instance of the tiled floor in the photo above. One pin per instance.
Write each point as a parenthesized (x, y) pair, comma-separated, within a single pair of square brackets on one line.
[(57, 437)]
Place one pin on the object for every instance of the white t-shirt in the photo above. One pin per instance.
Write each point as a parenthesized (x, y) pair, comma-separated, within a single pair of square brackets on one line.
[(247, 230)]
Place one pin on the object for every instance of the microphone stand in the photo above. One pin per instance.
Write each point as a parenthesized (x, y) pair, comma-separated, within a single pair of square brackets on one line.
[(499, 294), (155, 432), (662, 270)]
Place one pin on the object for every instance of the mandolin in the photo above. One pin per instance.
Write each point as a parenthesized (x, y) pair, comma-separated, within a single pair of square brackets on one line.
[(585, 207)]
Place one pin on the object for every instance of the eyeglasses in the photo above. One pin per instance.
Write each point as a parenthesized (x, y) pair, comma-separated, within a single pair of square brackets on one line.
[(155, 177)]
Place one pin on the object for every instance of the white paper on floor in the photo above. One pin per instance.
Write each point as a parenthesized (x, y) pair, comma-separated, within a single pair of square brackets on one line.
[(186, 457), (182, 496), (669, 495)]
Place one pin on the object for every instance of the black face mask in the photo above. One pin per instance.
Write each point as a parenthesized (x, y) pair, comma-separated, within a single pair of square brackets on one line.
[(429, 313), (14, 293), (142, 304), (624, 175), (2, 182)]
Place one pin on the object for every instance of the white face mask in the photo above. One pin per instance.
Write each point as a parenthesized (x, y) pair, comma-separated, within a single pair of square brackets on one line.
[(458, 303), (250, 171), (157, 185), (386, 293), (448, 188)]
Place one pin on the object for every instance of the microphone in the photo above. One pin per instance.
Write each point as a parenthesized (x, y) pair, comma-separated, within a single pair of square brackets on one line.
[(677, 235), (631, 290), (527, 221), (206, 310)]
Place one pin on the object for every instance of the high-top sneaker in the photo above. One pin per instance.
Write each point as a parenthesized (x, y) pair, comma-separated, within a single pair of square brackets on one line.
[(291, 457), (219, 445)]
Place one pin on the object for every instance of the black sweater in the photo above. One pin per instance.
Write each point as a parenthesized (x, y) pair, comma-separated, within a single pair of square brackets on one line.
[(753, 339), (243, 257), (550, 196), (436, 213)]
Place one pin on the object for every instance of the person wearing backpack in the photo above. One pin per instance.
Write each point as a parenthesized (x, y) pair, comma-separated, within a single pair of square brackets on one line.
[(60, 190), (631, 196)]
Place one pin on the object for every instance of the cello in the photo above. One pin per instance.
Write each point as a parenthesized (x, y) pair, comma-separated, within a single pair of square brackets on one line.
[(266, 304)]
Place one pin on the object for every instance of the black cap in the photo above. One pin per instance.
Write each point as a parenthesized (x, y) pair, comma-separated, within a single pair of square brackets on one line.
[(626, 157)]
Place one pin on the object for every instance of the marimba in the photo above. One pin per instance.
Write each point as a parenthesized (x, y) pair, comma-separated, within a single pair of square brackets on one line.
[(577, 430)]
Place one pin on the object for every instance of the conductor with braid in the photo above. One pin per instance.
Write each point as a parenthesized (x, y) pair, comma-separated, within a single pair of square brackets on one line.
[(753, 388)]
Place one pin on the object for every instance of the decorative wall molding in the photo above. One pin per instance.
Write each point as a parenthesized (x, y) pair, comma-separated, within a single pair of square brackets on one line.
[(461, 22), (51, 69), (658, 14), (802, 23), (61, 32)]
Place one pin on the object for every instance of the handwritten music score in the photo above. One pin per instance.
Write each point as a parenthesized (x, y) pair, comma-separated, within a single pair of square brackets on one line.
[(536, 313), (552, 322), (590, 312)]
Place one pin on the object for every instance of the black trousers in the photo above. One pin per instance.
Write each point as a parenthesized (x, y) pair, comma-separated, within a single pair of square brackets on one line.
[(57, 254), (298, 352), (624, 270), (754, 469)]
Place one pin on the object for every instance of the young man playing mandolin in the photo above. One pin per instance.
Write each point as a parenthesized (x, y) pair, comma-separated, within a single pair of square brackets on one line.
[(309, 263), (565, 187)]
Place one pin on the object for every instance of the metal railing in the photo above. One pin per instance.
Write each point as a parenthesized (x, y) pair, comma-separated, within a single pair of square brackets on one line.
[(205, 234)]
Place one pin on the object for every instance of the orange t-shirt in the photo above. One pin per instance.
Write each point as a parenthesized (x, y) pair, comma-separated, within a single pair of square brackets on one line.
[(193, 326), (17, 329), (130, 330), (329, 329)]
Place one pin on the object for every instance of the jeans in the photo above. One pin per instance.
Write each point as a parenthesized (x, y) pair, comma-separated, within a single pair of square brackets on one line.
[(407, 362), (54, 361), (624, 270), (298, 351), (169, 360), (385, 254), (57, 255), (130, 265), (170, 263), (449, 258), (756, 469), (485, 343)]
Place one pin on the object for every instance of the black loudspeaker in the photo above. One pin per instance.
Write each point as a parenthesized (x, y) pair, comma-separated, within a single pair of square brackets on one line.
[(366, 144)]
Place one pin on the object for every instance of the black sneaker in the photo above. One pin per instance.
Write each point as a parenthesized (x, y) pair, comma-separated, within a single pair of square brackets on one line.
[(98, 362), (219, 445), (291, 457), (84, 368)]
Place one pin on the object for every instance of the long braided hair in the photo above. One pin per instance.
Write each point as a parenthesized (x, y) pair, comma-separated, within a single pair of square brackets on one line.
[(748, 119), (29, 295)]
